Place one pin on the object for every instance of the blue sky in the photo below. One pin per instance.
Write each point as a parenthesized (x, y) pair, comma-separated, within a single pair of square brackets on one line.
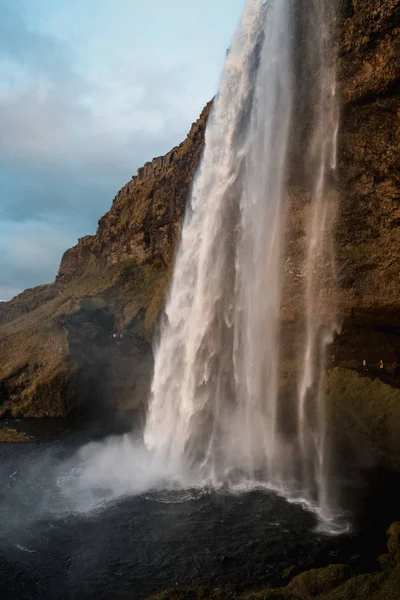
[(89, 91)]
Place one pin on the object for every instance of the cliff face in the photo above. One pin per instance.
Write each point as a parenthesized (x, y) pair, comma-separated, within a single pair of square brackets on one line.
[(368, 228), (56, 354), (144, 222), (366, 231)]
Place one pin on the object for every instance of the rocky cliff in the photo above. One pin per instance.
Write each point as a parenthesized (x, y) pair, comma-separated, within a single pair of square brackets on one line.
[(366, 230), (368, 224), (85, 340), (56, 354)]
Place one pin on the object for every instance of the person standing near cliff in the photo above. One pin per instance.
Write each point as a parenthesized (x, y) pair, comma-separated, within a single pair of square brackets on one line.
[(381, 366)]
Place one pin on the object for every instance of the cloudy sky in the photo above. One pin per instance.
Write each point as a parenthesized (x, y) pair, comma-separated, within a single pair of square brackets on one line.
[(89, 91)]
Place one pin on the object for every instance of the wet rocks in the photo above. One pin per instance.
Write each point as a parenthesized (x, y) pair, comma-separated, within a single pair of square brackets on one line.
[(392, 558)]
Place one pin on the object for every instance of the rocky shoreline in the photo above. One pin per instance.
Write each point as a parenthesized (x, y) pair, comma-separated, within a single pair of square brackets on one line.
[(335, 582), (10, 435)]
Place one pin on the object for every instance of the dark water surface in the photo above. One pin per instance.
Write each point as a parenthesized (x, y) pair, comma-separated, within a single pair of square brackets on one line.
[(145, 543)]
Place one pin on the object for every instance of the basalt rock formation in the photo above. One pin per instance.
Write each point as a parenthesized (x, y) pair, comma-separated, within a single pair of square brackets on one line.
[(56, 353)]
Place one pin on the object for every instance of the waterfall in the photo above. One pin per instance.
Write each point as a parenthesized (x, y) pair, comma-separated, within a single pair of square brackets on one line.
[(215, 406), (320, 311)]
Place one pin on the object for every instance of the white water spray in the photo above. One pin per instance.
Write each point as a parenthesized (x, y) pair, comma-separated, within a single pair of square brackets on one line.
[(215, 403)]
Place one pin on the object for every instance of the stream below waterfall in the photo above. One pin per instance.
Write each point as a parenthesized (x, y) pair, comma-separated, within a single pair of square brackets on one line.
[(133, 544)]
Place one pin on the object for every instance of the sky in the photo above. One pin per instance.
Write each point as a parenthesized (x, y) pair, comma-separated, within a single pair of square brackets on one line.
[(89, 91)]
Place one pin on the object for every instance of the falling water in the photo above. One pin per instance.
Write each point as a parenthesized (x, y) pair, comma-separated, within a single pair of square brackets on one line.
[(320, 313), (215, 403)]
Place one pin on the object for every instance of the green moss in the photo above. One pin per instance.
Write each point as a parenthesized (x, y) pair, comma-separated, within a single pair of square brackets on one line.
[(11, 435), (369, 408), (323, 584)]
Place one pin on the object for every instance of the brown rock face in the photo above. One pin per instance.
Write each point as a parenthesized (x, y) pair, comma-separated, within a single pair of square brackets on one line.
[(56, 354), (367, 228), (368, 235), (392, 558), (144, 222)]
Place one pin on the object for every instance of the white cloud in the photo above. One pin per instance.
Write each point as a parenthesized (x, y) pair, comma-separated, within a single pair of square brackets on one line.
[(34, 124), (34, 250), (9, 291)]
